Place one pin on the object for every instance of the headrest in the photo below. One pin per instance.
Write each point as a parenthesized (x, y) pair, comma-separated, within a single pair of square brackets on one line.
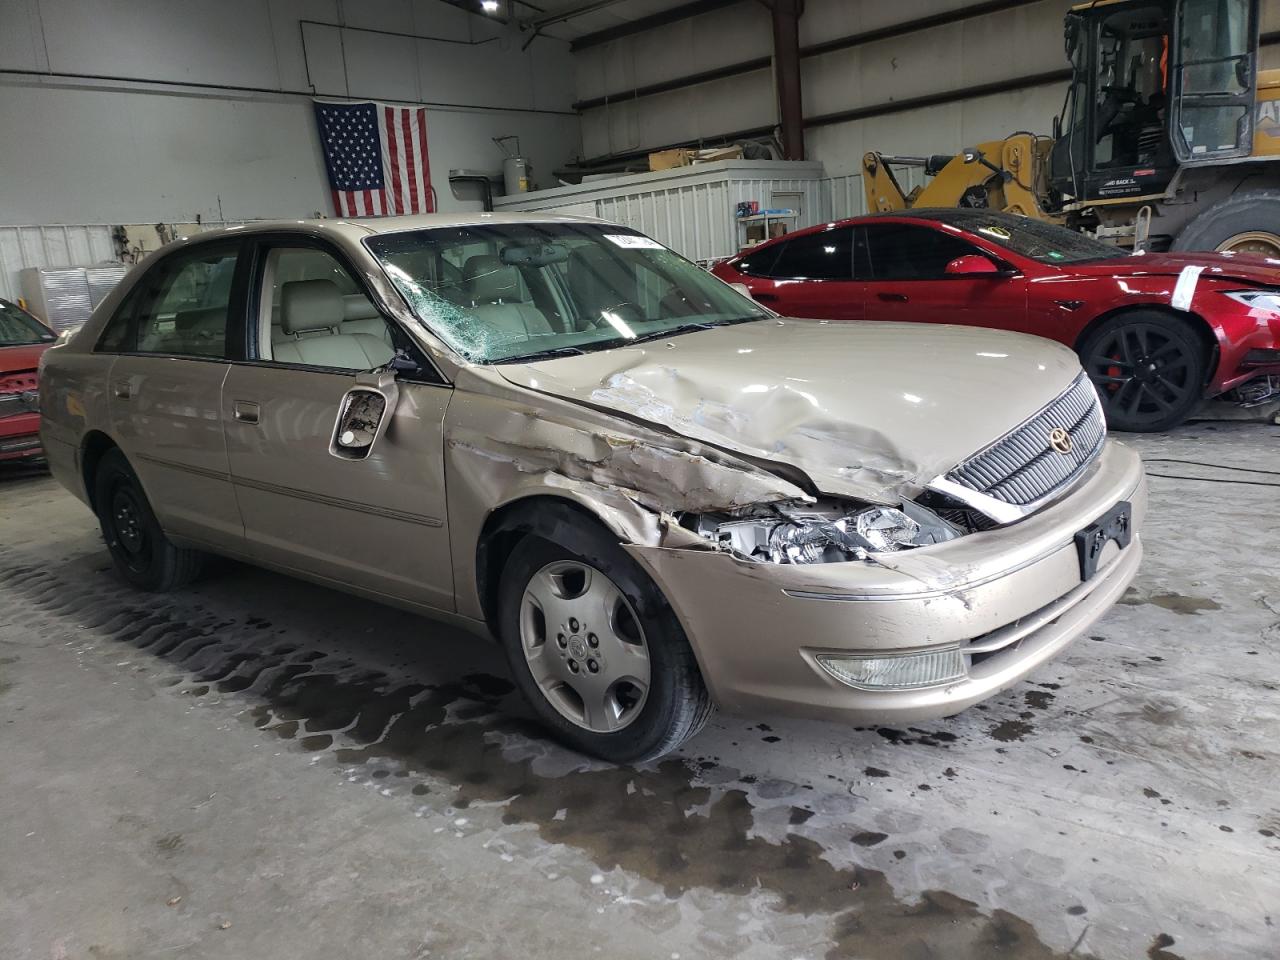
[(310, 305), (356, 306), (489, 280)]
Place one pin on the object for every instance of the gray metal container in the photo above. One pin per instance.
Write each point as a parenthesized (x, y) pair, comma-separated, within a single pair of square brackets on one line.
[(515, 175)]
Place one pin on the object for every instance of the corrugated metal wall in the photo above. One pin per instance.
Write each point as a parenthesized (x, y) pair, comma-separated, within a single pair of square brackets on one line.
[(72, 245), (50, 246), (697, 219)]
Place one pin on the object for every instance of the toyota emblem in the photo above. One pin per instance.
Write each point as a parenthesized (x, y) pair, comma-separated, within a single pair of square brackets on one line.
[(1060, 440)]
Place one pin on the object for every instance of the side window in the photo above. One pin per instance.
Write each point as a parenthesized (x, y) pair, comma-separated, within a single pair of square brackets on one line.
[(313, 312), (180, 308), (903, 251), (827, 255), (760, 264), (118, 335)]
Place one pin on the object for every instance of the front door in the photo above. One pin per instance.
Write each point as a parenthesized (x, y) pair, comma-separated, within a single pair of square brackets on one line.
[(905, 264), (174, 345), (378, 524)]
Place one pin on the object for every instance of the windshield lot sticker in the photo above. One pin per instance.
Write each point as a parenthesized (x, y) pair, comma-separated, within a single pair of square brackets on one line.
[(1185, 288), (633, 243)]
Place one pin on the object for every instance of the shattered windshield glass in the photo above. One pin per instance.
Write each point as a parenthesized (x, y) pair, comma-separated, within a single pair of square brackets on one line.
[(499, 293)]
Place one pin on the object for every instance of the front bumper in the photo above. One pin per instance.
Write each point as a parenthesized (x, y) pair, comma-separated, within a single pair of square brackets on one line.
[(1011, 597), (20, 437)]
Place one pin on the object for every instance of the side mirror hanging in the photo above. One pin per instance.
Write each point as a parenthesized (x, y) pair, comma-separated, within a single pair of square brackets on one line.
[(363, 415)]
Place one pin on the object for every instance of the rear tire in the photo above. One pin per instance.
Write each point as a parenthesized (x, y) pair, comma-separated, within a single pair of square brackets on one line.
[(142, 554), (641, 661), (1248, 222), (1148, 368)]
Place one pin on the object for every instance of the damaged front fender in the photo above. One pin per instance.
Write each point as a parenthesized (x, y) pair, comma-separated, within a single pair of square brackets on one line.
[(502, 447)]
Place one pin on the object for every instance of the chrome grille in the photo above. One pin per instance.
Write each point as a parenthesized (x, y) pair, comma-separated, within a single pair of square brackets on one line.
[(1021, 467)]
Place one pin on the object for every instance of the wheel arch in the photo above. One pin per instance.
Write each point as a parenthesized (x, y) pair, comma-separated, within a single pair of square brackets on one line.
[(1198, 324), (539, 515), (93, 447)]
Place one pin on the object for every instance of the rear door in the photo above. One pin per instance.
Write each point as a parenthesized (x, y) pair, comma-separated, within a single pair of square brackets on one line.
[(174, 344), (810, 276), (378, 524), (904, 265), (1214, 79)]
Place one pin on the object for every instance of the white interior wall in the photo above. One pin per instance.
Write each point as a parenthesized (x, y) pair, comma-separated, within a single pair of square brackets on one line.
[(1022, 42), (142, 143)]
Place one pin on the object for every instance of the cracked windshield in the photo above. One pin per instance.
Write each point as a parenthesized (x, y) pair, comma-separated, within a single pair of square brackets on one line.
[(500, 293)]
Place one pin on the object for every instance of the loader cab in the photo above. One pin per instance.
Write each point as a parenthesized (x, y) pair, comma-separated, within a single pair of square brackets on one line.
[(1155, 84)]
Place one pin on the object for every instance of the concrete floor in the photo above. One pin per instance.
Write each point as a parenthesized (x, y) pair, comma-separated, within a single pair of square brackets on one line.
[(261, 768)]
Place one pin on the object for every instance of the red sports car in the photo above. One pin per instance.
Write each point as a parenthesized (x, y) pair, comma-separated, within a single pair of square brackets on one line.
[(22, 339), (1157, 332)]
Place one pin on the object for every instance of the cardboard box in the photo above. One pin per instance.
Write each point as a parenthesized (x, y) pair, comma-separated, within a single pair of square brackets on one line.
[(683, 156), (717, 153), (669, 159)]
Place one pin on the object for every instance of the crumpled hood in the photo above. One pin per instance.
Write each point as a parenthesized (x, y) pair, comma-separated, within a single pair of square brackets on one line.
[(866, 410)]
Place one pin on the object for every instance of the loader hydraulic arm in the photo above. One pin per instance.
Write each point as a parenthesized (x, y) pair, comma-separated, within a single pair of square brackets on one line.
[(1002, 175)]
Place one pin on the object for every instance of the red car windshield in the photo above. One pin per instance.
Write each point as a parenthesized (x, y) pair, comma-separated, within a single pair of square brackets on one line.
[(19, 328), (1033, 239)]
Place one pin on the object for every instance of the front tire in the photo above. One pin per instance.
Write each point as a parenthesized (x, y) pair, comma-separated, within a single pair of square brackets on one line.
[(1148, 368), (596, 649), (142, 554), (1248, 222)]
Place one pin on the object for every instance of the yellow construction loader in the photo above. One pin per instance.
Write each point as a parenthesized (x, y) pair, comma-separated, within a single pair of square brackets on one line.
[(1169, 136)]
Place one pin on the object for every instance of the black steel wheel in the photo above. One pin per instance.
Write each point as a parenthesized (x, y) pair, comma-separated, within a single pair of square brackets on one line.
[(1148, 368), (142, 553)]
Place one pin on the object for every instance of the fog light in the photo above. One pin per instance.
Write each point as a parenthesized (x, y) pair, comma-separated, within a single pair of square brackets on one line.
[(901, 672)]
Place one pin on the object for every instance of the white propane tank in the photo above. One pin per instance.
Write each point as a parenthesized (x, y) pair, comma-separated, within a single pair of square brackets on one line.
[(515, 175)]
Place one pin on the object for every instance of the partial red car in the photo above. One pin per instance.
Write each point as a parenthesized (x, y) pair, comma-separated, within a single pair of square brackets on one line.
[(22, 339), (1158, 333)]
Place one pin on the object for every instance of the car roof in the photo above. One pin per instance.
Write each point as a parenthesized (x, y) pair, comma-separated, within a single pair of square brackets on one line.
[(357, 228), (962, 218)]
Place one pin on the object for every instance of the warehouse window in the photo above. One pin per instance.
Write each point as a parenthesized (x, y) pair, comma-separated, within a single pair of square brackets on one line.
[(827, 255)]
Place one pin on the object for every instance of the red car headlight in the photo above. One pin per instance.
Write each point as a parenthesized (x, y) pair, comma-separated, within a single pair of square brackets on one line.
[(1268, 300)]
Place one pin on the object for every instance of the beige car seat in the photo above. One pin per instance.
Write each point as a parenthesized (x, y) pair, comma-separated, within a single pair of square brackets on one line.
[(311, 315), (497, 298)]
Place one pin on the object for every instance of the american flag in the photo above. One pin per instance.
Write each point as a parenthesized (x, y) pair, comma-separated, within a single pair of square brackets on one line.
[(376, 157)]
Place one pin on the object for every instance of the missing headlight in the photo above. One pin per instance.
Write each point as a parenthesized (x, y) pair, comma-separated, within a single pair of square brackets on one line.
[(825, 533)]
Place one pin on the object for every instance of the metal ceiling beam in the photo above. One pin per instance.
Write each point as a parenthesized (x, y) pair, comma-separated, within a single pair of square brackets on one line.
[(661, 19), (813, 50), (571, 13)]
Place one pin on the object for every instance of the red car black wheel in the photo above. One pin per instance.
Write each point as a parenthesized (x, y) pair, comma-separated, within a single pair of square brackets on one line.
[(1148, 368)]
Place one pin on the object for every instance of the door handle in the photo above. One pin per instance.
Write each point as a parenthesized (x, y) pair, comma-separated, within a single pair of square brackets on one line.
[(245, 411), (123, 389), (765, 297), (893, 297)]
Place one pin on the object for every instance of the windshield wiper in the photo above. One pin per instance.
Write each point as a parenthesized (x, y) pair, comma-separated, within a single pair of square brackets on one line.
[(671, 332), (547, 354)]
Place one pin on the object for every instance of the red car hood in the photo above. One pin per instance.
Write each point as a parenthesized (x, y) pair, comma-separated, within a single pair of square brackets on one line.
[(25, 357), (1246, 268)]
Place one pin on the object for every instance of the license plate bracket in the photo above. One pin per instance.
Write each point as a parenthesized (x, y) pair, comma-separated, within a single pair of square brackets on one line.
[(1116, 524)]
